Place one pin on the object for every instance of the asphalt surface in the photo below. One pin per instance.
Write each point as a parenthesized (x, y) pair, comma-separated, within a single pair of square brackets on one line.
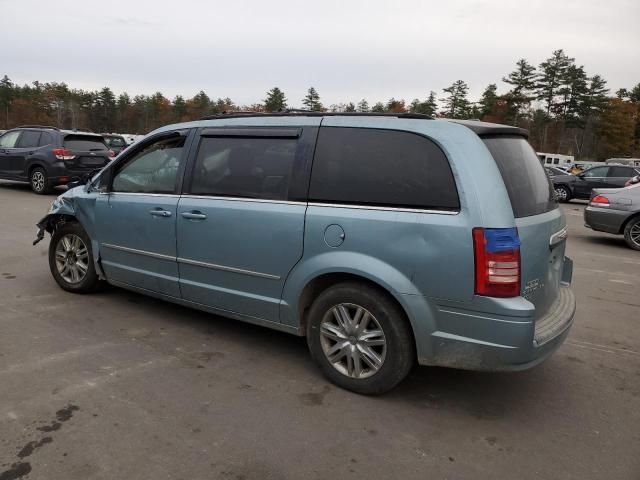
[(116, 385)]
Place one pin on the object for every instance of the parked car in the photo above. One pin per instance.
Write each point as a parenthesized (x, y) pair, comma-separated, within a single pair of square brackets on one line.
[(568, 187), (116, 143), (554, 171), (46, 156), (616, 211), (384, 239)]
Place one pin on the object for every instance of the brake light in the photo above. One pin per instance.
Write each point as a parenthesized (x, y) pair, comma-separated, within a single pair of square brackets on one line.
[(63, 154), (497, 262), (600, 200), (112, 153)]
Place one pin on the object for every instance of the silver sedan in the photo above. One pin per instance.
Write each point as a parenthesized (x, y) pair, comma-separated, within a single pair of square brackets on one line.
[(617, 211)]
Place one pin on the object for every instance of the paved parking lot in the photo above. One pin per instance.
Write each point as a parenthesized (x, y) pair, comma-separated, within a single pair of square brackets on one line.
[(120, 386)]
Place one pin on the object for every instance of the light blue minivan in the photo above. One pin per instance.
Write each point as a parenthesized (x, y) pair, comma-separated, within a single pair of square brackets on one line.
[(384, 239)]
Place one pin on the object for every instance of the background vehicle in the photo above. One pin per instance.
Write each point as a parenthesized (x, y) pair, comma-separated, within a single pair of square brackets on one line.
[(579, 186), (554, 171), (555, 159), (616, 211), (46, 156), (379, 254), (634, 162), (116, 143)]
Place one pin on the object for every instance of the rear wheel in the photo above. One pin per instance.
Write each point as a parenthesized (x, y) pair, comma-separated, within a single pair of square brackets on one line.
[(563, 194), (71, 259), (632, 233), (360, 338), (39, 181)]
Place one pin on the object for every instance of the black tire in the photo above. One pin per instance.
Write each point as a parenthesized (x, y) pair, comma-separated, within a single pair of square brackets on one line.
[(39, 181), (632, 233), (563, 193), (64, 277), (399, 349)]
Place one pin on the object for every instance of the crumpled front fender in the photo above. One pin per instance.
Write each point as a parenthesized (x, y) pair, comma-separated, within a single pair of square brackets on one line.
[(62, 209)]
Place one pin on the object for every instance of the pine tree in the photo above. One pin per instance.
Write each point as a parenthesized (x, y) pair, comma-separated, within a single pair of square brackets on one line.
[(428, 107), (396, 106), (488, 100), (363, 106), (275, 100), (179, 108), (616, 129), (551, 77), (6, 95), (312, 100), (106, 103), (523, 82), (350, 107), (572, 94), (456, 104), (378, 108)]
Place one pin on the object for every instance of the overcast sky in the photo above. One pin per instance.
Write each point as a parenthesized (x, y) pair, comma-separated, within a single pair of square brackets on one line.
[(347, 49)]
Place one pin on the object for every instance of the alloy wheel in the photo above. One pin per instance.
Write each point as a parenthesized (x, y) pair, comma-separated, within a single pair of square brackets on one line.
[(72, 258), (38, 180), (634, 234), (353, 340), (561, 193)]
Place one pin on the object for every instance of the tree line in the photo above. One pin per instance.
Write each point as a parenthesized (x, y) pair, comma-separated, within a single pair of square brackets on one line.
[(565, 109)]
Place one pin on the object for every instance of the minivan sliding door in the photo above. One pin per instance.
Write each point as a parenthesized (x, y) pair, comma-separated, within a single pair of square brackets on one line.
[(240, 222)]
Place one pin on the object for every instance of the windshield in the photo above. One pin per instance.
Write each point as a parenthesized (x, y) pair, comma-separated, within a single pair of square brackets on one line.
[(529, 188)]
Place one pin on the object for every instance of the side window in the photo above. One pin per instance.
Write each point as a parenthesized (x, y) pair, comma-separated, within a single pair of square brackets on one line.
[(9, 139), (624, 172), (154, 169), (29, 138), (244, 167), (45, 139), (381, 167), (596, 172)]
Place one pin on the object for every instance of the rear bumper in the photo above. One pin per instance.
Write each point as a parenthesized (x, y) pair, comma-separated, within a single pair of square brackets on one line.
[(61, 174), (502, 342), (606, 220)]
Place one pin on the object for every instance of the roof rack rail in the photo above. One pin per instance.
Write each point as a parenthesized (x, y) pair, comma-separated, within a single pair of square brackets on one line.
[(300, 112), (38, 126)]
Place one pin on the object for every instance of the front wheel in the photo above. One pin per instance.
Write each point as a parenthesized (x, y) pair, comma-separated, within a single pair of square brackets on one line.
[(563, 194), (632, 233), (360, 338), (71, 259)]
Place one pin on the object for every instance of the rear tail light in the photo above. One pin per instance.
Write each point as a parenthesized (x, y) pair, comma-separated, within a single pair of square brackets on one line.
[(112, 153), (497, 262), (63, 154), (600, 200)]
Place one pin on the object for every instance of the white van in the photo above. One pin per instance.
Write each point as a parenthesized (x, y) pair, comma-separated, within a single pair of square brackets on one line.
[(555, 159)]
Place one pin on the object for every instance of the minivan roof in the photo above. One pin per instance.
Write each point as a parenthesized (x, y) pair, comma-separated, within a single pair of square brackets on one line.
[(476, 126)]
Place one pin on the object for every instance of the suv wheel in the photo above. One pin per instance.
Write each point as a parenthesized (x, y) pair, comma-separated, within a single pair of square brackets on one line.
[(632, 233), (40, 181), (360, 338), (71, 259), (563, 194)]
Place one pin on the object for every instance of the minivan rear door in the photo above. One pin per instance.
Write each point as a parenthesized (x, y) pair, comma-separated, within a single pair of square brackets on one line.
[(540, 222), (240, 221)]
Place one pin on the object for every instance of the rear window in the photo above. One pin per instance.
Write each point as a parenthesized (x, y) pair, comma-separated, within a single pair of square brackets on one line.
[(530, 191), (84, 143), (115, 141), (381, 167)]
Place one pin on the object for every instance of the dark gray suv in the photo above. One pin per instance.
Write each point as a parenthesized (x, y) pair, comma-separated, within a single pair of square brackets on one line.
[(47, 156)]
